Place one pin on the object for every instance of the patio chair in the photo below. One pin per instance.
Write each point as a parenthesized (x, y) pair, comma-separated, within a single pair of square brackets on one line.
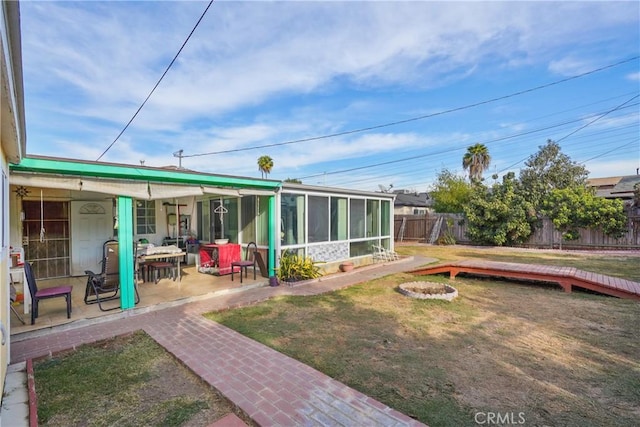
[(13, 295), (249, 261), (46, 293), (105, 286), (382, 254)]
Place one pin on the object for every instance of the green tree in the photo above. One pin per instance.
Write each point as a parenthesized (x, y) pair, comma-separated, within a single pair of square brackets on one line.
[(265, 164), (450, 192), (578, 207), (476, 160), (293, 180), (547, 170), (499, 215)]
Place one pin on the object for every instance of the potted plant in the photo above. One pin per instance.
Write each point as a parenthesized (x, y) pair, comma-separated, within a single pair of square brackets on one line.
[(346, 266), (294, 268)]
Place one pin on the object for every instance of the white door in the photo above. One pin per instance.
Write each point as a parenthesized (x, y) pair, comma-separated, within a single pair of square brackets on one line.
[(91, 226)]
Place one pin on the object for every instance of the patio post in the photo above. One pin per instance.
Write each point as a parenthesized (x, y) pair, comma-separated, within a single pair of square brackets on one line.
[(273, 232), (125, 248)]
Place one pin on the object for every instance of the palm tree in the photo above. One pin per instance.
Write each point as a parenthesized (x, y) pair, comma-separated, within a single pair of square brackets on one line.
[(476, 160), (265, 164)]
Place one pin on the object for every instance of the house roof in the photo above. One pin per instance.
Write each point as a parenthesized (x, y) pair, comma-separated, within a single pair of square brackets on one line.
[(80, 168), (615, 187), (311, 188), (608, 182), (412, 199), (12, 125)]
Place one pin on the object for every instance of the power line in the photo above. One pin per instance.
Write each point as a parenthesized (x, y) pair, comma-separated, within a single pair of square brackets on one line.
[(413, 119), (158, 82), (597, 118), (609, 151), (580, 128), (450, 150)]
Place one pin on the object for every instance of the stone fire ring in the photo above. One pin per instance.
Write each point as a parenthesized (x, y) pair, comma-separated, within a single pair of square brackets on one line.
[(448, 296)]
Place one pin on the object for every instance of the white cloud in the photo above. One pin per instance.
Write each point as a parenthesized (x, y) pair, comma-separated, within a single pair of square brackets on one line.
[(258, 73), (634, 76), (570, 66)]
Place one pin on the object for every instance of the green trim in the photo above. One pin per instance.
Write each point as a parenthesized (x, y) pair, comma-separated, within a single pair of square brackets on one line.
[(274, 231), (125, 248), (117, 171)]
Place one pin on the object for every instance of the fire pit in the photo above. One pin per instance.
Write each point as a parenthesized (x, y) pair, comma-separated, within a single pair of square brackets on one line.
[(428, 290)]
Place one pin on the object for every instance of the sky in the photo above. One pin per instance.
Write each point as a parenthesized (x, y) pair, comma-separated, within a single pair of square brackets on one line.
[(358, 95)]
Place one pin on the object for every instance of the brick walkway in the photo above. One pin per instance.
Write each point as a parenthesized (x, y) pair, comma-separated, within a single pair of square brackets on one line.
[(269, 386)]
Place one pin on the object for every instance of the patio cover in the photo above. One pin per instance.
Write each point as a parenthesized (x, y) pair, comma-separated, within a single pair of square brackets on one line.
[(136, 189)]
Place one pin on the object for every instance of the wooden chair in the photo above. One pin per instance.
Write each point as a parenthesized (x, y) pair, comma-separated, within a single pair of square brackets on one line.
[(155, 267), (249, 261), (46, 293)]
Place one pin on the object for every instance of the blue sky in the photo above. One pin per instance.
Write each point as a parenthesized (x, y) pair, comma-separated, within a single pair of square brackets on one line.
[(255, 75)]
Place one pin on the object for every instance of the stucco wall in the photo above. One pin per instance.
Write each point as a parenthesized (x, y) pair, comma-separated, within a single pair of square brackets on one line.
[(4, 276)]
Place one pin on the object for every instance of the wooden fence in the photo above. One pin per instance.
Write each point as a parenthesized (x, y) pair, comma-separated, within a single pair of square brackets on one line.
[(428, 228)]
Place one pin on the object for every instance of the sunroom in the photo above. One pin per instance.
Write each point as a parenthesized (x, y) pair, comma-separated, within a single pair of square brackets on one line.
[(330, 225)]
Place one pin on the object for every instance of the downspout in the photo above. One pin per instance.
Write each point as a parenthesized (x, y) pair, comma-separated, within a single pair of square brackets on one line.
[(126, 255)]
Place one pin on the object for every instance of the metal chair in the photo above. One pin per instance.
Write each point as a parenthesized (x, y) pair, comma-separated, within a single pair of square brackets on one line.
[(246, 263), (105, 286), (40, 294)]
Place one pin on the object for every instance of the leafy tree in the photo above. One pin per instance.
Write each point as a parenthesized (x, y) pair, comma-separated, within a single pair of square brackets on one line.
[(476, 160), (293, 180), (547, 170), (265, 164), (450, 192), (578, 207), (499, 215)]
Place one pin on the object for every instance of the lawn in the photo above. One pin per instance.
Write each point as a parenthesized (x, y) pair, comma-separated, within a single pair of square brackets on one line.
[(128, 380), (527, 351)]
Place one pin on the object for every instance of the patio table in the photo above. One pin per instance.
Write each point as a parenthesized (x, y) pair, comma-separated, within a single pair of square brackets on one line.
[(163, 252)]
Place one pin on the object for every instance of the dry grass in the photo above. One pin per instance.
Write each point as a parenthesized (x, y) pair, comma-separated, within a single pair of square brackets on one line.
[(555, 358)]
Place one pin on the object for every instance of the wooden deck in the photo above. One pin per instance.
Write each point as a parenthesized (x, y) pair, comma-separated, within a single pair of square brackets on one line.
[(567, 277)]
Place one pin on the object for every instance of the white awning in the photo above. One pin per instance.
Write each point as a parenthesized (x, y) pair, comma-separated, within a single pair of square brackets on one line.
[(135, 189), (142, 190), (45, 182), (169, 191), (220, 191), (251, 192)]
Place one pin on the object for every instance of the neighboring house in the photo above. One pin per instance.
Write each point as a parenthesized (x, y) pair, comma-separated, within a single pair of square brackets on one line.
[(13, 142), (616, 187), (412, 203)]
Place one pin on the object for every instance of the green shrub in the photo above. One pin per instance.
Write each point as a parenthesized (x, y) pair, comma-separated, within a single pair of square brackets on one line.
[(294, 267)]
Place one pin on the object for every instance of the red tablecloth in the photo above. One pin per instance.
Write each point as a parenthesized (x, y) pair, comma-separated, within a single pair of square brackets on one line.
[(220, 256)]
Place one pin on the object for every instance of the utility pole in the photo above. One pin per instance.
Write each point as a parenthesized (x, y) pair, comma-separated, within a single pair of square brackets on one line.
[(179, 155)]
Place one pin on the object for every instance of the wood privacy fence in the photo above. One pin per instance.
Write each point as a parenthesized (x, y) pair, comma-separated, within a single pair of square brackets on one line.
[(428, 228)]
